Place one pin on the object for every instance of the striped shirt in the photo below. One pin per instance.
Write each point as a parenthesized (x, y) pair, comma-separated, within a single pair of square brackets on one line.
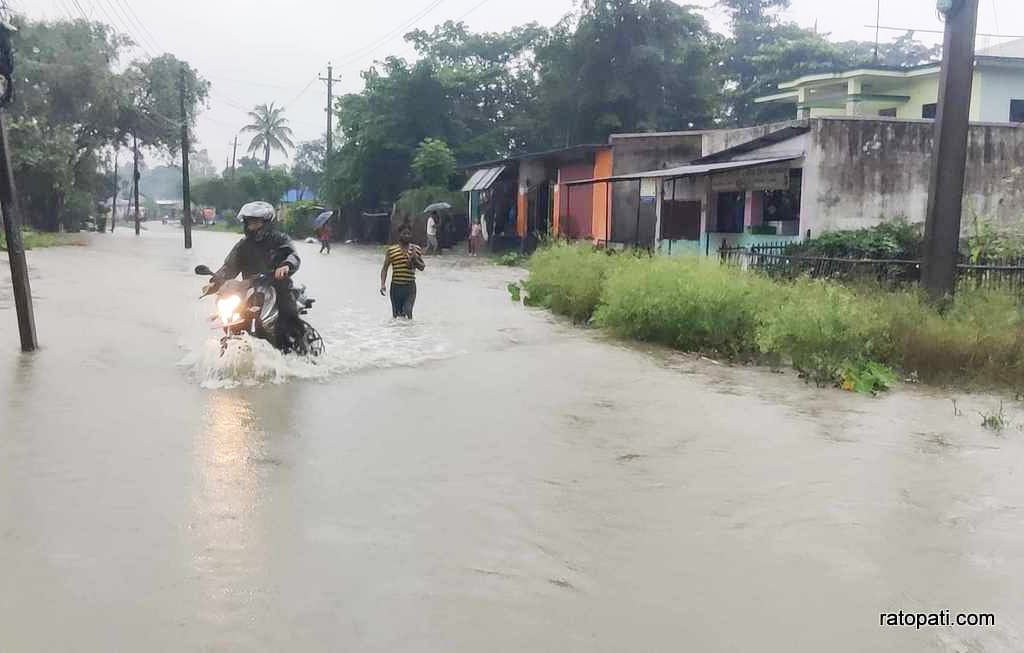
[(402, 272)]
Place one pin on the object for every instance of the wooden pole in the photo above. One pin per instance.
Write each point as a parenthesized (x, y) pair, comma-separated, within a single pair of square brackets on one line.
[(113, 205), (16, 246), (135, 183), (186, 191), (949, 160)]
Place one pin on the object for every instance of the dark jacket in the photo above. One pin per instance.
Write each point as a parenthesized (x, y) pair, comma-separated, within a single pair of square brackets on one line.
[(251, 256)]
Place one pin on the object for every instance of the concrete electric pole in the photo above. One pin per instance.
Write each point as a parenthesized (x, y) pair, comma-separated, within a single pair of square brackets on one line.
[(330, 101), (949, 160)]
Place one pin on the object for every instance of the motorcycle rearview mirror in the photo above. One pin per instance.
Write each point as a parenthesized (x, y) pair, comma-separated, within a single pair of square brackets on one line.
[(204, 271)]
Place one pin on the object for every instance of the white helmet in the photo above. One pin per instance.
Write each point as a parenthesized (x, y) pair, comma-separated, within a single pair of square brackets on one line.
[(260, 210)]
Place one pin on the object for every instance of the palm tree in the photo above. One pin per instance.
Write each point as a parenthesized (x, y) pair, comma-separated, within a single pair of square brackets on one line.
[(271, 129)]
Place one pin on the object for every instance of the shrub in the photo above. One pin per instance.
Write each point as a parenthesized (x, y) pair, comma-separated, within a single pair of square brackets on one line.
[(979, 340), (687, 303), (822, 328), (890, 240), (568, 279)]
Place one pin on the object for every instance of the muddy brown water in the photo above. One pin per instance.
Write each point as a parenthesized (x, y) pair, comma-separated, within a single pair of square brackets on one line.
[(486, 478)]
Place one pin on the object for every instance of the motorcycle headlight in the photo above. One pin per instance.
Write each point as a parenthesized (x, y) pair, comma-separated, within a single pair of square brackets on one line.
[(227, 308)]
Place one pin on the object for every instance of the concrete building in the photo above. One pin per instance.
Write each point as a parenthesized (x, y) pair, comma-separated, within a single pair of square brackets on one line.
[(800, 179), (910, 93)]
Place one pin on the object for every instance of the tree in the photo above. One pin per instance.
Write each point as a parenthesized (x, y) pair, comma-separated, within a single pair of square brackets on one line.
[(764, 51), (628, 65), (272, 131), (71, 104), (308, 168), (434, 163)]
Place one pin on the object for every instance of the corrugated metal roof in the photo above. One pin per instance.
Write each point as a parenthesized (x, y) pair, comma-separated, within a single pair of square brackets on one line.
[(685, 171), (483, 179)]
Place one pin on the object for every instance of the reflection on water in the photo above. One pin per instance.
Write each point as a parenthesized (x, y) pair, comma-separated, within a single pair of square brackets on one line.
[(227, 524)]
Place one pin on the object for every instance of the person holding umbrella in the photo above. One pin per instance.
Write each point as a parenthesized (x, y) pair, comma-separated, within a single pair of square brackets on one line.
[(433, 224), (322, 227)]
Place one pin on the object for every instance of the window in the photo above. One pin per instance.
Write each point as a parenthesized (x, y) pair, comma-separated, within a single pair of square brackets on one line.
[(731, 211), (1016, 110), (783, 205), (680, 220), (888, 113), (929, 111)]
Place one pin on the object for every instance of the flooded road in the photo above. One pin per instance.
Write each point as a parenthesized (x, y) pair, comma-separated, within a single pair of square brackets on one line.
[(485, 478)]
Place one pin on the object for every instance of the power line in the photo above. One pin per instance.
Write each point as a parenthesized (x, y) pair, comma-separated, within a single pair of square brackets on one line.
[(117, 24), (140, 23), (937, 31), (128, 25), (357, 54), (474, 8), (301, 93)]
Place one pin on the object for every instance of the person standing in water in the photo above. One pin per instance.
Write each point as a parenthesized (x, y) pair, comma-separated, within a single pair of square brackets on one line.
[(404, 258), (324, 234)]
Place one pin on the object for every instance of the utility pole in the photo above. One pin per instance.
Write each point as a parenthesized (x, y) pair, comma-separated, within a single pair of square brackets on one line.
[(234, 153), (330, 101), (113, 205), (186, 192), (878, 28), (949, 160), (135, 183), (9, 204)]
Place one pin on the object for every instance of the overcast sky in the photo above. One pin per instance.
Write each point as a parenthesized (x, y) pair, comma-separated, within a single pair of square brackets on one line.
[(254, 54)]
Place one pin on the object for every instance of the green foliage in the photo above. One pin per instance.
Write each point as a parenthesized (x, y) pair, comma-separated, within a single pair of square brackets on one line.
[(434, 163), (822, 328), (894, 240), (413, 201), (568, 279), (832, 334), (994, 421), (271, 132), (246, 186), (868, 378), (764, 50), (627, 66), (296, 219), (515, 291), (75, 97), (308, 168), (510, 259), (36, 239), (691, 304), (987, 240)]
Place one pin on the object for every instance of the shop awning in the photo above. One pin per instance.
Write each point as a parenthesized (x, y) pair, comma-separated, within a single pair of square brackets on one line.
[(483, 179), (686, 171)]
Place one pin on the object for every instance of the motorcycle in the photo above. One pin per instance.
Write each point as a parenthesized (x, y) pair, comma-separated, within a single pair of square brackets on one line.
[(249, 306)]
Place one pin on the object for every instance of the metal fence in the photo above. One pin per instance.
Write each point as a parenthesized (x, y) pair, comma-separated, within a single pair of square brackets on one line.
[(988, 274)]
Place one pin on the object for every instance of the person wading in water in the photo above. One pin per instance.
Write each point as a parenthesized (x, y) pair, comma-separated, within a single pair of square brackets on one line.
[(403, 259)]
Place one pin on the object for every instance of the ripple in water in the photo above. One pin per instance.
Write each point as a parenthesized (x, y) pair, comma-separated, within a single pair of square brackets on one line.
[(355, 343)]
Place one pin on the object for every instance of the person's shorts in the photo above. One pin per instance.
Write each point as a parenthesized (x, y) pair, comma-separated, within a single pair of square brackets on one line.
[(403, 297)]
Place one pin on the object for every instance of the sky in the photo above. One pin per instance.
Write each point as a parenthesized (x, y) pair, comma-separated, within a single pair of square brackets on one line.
[(254, 55)]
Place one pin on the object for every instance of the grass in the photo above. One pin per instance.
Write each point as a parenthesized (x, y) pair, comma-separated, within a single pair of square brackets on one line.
[(853, 337), (39, 239), (225, 227)]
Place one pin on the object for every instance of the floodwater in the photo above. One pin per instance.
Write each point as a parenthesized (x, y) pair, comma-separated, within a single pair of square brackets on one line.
[(483, 479)]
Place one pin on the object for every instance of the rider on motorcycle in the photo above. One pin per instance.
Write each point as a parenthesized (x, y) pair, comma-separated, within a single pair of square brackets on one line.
[(264, 250)]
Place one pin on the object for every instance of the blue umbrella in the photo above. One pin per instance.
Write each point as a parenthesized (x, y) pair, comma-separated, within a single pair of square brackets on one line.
[(322, 219)]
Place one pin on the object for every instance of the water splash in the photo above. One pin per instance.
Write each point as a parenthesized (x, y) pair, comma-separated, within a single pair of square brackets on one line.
[(355, 343)]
